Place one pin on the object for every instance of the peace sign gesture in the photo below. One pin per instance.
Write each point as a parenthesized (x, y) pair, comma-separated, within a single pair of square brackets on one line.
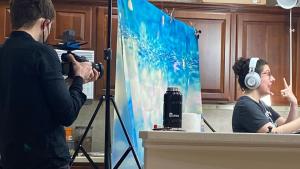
[(288, 93)]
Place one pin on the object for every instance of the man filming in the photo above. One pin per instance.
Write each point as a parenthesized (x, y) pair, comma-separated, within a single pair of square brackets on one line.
[(35, 102)]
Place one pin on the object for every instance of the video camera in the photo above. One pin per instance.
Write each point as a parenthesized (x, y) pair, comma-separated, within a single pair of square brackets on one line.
[(69, 44)]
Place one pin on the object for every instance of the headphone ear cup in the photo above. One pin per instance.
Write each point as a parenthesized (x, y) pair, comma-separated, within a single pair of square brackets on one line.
[(252, 80)]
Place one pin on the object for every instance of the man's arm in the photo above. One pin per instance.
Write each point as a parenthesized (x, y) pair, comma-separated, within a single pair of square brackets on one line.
[(65, 104)]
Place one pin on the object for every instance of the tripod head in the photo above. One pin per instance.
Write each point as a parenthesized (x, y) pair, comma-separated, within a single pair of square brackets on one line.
[(69, 44)]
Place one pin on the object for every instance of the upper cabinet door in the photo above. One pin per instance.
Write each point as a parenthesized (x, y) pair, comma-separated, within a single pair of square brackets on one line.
[(78, 18), (5, 28), (217, 79), (267, 36)]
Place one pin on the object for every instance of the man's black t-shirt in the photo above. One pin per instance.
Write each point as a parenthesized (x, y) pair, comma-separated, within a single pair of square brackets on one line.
[(250, 116), (35, 104)]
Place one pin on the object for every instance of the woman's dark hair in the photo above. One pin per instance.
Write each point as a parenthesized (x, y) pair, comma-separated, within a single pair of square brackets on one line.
[(241, 69), (24, 13)]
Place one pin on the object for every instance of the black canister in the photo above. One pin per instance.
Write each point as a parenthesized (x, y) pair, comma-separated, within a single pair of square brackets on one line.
[(172, 108)]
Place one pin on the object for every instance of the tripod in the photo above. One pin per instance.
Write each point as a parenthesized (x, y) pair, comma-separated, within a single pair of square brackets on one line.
[(108, 98), (80, 147)]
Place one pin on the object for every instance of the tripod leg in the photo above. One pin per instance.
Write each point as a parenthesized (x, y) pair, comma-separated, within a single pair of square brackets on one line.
[(86, 131), (125, 132), (123, 157), (88, 157)]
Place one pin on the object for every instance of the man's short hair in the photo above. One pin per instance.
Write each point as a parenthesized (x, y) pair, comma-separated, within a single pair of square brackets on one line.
[(24, 13)]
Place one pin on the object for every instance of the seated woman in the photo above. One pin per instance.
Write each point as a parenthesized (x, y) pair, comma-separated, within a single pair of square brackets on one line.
[(250, 113)]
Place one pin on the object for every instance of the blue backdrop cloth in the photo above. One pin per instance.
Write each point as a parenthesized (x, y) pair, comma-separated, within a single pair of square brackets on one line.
[(154, 52)]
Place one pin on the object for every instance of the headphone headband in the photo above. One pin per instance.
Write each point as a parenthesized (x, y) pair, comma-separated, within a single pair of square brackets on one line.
[(252, 64)]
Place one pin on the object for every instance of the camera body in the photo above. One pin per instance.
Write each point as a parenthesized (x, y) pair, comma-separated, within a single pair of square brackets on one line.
[(69, 44), (67, 66)]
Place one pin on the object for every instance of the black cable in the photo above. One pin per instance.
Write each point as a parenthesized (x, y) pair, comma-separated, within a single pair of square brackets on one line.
[(208, 125)]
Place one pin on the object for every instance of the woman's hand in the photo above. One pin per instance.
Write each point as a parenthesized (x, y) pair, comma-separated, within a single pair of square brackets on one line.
[(288, 93)]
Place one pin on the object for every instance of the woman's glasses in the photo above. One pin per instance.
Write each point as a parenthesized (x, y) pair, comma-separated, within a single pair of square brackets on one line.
[(268, 73)]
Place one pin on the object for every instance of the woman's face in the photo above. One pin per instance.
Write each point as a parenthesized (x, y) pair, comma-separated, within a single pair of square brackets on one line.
[(266, 81)]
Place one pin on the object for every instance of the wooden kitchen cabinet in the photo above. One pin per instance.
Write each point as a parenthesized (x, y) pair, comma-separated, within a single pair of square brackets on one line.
[(76, 17), (267, 36), (5, 27), (217, 79)]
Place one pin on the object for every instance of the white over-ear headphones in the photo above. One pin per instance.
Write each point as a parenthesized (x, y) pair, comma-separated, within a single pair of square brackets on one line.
[(252, 79)]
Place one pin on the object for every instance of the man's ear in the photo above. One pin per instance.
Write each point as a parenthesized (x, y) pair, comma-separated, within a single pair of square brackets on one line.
[(45, 24)]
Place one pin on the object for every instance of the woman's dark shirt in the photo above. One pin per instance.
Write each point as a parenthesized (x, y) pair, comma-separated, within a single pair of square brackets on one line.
[(250, 116)]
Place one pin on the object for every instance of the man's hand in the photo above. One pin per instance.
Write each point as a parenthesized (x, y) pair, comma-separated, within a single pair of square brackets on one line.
[(93, 76), (84, 70)]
